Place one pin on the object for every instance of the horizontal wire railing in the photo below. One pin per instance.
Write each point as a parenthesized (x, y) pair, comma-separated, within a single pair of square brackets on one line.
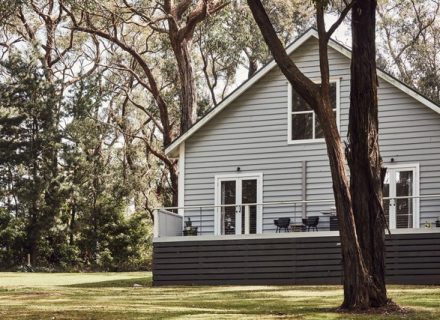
[(201, 220), (290, 202)]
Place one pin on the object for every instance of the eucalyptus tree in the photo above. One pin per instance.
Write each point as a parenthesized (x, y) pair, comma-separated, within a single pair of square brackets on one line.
[(157, 36), (410, 46), (358, 199), (228, 43)]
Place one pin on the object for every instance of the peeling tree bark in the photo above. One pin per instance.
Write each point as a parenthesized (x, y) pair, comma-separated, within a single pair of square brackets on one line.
[(188, 93), (364, 155)]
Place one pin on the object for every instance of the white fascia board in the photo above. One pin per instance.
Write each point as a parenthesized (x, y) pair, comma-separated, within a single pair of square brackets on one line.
[(172, 148), (388, 78)]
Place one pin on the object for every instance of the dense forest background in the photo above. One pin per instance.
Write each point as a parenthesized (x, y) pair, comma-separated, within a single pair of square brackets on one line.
[(92, 91)]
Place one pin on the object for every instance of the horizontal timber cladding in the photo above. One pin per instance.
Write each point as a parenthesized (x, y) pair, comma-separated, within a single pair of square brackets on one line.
[(410, 259), (252, 131)]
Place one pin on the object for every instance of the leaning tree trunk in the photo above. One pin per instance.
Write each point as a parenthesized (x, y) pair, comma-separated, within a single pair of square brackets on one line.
[(364, 156), (356, 275), (188, 95), (174, 181), (363, 267)]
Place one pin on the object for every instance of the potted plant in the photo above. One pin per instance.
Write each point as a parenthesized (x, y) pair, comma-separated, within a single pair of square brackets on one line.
[(189, 230)]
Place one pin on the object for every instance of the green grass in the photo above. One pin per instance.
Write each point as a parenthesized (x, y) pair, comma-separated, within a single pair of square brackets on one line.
[(112, 296)]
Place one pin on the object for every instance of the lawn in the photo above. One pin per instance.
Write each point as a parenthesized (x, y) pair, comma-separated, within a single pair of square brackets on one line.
[(114, 296)]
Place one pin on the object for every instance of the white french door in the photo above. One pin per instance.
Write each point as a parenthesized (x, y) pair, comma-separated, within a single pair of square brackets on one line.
[(401, 186), (236, 196)]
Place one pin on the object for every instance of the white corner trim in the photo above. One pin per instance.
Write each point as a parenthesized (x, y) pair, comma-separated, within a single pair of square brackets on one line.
[(155, 224), (181, 181), (289, 112)]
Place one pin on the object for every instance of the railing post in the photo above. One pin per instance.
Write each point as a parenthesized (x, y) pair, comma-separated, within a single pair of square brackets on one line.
[(238, 220), (294, 213), (200, 223), (247, 221), (156, 224)]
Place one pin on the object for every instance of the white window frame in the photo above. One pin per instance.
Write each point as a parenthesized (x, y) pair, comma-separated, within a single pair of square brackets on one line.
[(238, 177), (416, 193), (181, 180), (289, 113)]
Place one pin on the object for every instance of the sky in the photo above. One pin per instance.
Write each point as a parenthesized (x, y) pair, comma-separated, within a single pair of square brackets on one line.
[(342, 35)]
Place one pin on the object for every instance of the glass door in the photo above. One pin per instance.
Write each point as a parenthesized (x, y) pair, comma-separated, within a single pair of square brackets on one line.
[(248, 207), (401, 209), (237, 212)]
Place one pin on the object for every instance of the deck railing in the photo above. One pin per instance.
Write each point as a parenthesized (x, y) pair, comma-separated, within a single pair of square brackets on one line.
[(251, 218)]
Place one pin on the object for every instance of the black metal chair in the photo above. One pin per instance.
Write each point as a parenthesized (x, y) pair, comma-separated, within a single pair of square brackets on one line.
[(311, 223), (282, 223)]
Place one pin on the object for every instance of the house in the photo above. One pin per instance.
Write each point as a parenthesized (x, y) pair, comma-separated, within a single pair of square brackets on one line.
[(260, 156)]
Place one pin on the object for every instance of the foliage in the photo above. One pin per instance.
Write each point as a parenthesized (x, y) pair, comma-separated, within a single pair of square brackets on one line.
[(63, 200), (82, 129), (410, 46)]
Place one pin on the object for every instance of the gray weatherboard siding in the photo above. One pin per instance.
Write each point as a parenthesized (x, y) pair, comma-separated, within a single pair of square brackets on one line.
[(251, 133)]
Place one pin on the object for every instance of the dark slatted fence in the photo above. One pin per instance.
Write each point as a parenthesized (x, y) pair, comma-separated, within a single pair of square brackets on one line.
[(410, 259)]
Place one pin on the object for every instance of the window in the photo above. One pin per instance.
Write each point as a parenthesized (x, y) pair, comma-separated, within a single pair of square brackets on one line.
[(303, 122)]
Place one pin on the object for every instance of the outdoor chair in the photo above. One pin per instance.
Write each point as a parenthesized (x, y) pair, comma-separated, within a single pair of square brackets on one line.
[(311, 223), (282, 223)]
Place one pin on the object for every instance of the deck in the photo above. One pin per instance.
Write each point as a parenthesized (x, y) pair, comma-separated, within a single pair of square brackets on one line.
[(412, 257)]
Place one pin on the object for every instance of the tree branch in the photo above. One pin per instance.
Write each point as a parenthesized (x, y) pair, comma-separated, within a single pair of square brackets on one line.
[(340, 19), (307, 89)]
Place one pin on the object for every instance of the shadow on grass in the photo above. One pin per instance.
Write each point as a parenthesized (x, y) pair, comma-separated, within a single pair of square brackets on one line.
[(118, 283)]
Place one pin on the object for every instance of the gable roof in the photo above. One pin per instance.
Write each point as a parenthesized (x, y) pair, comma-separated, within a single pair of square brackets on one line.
[(311, 33)]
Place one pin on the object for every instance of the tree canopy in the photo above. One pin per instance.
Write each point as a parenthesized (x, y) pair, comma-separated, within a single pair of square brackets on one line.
[(91, 92)]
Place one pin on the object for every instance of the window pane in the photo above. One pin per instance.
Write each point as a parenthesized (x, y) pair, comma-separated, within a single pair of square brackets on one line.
[(298, 103), (319, 134), (404, 207), (228, 213), (249, 195), (302, 126), (318, 130)]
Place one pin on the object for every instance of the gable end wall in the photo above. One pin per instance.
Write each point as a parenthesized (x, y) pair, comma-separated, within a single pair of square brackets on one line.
[(251, 133)]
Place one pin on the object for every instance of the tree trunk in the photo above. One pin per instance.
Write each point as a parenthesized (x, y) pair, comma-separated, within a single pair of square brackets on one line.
[(174, 178), (188, 96), (364, 156), (355, 272), (253, 66), (72, 223), (364, 285)]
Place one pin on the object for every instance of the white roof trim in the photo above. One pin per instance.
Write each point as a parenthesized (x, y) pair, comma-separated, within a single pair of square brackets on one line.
[(174, 146)]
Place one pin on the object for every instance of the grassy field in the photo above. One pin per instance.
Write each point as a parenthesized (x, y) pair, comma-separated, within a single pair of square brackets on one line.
[(113, 296)]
